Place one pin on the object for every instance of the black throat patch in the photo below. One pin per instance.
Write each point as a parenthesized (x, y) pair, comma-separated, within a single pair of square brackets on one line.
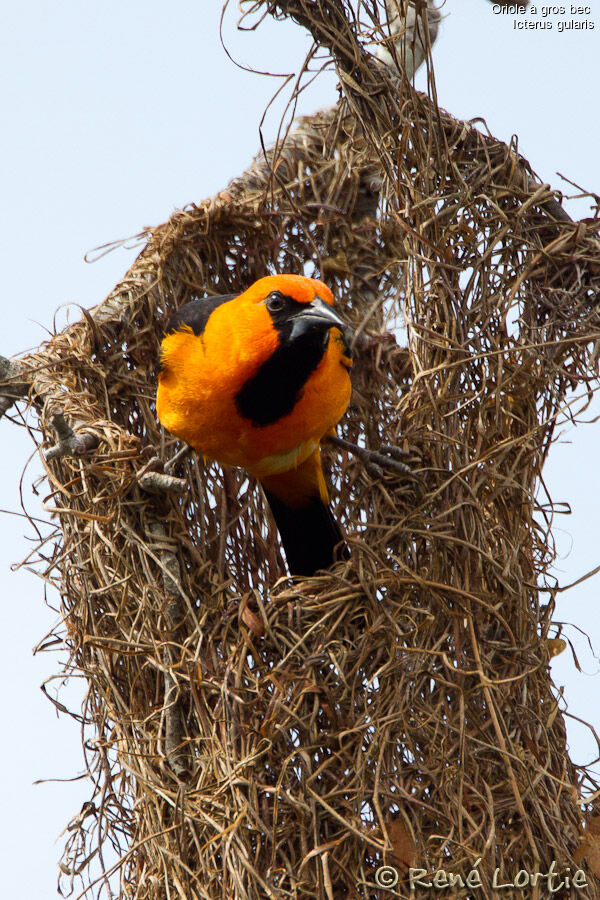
[(275, 389)]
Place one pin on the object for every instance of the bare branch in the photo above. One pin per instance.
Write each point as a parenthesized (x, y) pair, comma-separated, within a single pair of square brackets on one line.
[(175, 748), (159, 482), (69, 442), (413, 30), (12, 388), (154, 479)]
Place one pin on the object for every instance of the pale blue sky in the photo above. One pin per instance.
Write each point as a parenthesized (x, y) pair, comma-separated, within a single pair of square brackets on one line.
[(115, 116)]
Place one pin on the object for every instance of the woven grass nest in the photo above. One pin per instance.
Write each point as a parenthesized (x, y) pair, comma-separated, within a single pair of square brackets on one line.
[(250, 736)]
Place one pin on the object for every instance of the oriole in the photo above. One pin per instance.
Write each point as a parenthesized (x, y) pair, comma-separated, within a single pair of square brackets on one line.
[(257, 380)]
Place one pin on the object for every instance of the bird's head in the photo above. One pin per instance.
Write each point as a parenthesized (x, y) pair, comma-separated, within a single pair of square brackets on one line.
[(233, 336), (298, 308)]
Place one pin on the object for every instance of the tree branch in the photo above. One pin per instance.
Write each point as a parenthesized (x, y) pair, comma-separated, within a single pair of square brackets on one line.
[(176, 751), (12, 388), (156, 480), (69, 442)]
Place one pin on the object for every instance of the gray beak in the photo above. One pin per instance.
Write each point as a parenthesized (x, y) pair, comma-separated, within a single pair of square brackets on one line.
[(319, 315)]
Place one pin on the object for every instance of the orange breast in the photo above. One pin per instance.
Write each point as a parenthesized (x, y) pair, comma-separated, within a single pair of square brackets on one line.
[(202, 376)]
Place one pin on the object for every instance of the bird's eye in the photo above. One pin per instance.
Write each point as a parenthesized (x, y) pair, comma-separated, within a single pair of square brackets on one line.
[(275, 301)]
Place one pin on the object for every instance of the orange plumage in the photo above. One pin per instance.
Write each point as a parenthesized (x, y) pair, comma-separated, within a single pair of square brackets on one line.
[(257, 380)]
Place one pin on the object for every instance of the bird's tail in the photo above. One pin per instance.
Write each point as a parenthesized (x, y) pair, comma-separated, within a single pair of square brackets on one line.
[(299, 502)]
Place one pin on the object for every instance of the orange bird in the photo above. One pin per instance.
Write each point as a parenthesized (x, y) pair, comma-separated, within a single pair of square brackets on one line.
[(256, 380)]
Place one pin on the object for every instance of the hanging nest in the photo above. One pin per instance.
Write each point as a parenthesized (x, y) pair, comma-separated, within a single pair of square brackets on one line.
[(249, 736)]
